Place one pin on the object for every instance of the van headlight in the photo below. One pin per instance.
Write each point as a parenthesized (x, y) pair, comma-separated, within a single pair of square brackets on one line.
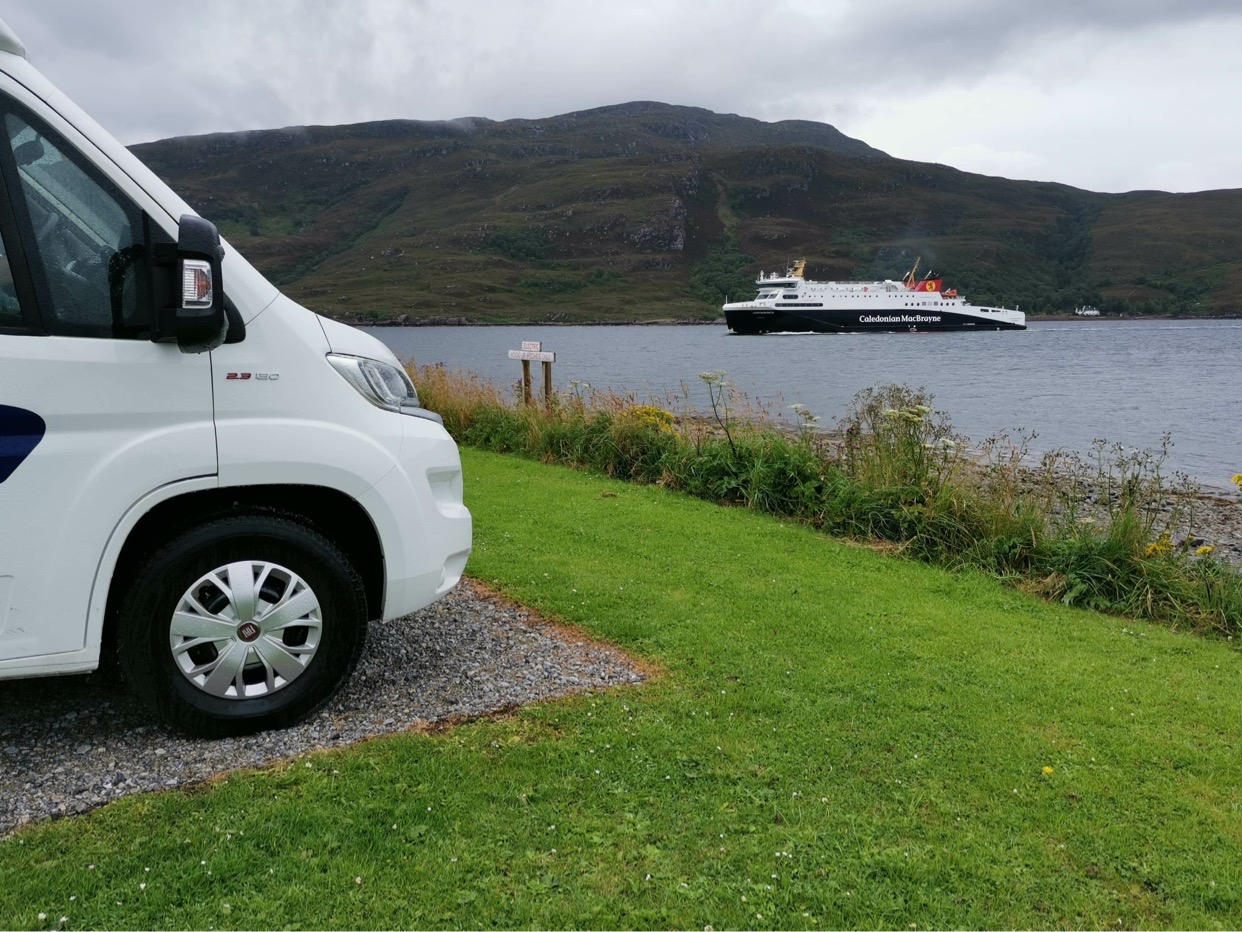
[(381, 383)]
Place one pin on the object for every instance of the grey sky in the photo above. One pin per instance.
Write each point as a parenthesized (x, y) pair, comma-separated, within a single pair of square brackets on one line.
[(1109, 95)]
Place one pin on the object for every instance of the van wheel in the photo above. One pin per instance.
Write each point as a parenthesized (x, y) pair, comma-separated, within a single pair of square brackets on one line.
[(240, 625)]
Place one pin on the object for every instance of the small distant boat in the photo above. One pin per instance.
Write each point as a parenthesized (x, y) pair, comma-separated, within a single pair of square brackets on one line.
[(1086, 311), (789, 303)]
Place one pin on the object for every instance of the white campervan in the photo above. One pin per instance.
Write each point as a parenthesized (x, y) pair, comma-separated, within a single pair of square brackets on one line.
[(194, 470)]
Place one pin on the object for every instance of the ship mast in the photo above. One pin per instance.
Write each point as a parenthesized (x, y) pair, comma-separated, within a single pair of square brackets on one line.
[(909, 279)]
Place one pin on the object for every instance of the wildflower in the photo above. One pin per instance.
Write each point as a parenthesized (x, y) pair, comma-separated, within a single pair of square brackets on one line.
[(1237, 480), (648, 416), (1048, 771), (1161, 546), (1204, 551)]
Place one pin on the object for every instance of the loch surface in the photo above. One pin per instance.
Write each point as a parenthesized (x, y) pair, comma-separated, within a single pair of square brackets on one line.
[(1069, 381)]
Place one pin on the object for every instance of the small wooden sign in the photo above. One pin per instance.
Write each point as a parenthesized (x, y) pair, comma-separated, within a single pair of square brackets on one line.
[(532, 346), (532, 355)]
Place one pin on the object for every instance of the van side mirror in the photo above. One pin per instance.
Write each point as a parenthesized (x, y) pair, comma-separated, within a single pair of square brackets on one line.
[(196, 318)]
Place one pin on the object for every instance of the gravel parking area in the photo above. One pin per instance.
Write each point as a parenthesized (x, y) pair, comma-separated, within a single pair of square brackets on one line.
[(69, 744)]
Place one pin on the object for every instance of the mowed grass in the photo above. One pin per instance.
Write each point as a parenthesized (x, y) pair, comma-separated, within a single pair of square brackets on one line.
[(839, 739)]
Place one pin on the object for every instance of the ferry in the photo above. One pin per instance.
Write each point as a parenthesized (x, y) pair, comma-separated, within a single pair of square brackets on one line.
[(789, 303)]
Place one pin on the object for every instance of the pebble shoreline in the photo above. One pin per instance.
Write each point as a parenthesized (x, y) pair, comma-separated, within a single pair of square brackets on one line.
[(70, 744), (1216, 522)]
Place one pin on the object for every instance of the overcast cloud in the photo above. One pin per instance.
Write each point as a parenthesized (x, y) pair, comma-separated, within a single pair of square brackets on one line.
[(1109, 95)]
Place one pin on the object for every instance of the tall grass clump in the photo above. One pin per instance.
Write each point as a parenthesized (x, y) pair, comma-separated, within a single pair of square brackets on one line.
[(1106, 530), (903, 461)]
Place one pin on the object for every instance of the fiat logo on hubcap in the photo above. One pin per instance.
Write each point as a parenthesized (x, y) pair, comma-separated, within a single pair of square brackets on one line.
[(248, 632)]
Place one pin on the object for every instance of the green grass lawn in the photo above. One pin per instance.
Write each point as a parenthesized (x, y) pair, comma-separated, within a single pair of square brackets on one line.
[(839, 739)]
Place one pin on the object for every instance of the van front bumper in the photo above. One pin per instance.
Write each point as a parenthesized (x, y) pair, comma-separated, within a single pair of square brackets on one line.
[(424, 526)]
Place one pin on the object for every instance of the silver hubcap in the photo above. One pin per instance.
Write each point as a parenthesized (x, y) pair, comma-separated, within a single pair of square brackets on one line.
[(245, 630)]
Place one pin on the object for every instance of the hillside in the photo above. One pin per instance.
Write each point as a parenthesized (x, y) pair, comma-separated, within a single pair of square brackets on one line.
[(647, 211)]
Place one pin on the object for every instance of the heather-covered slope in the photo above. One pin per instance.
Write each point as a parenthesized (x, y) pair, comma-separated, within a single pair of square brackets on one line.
[(652, 211)]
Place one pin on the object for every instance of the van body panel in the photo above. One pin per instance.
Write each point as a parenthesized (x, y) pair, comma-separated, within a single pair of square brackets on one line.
[(276, 392), (87, 659), (352, 341), (83, 661), (123, 417)]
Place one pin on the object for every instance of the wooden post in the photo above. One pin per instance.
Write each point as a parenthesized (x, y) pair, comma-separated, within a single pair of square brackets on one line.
[(533, 351)]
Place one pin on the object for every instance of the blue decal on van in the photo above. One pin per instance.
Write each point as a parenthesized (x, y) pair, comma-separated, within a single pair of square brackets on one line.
[(20, 433)]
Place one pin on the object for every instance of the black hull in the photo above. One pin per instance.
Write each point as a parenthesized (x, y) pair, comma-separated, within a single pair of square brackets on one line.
[(749, 322)]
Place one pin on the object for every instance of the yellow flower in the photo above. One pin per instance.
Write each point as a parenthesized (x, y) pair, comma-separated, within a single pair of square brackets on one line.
[(1204, 550), (648, 416), (1048, 771), (1162, 545), (1237, 480)]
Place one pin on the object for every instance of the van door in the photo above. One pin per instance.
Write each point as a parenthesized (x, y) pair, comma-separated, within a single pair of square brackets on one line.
[(93, 416)]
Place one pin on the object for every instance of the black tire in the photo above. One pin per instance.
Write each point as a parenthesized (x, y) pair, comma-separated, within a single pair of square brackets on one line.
[(298, 567)]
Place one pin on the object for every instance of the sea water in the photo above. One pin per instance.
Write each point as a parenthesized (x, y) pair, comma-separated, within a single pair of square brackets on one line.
[(1071, 382)]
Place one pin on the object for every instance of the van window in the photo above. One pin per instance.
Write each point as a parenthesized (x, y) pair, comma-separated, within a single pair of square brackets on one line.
[(10, 307), (88, 238)]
